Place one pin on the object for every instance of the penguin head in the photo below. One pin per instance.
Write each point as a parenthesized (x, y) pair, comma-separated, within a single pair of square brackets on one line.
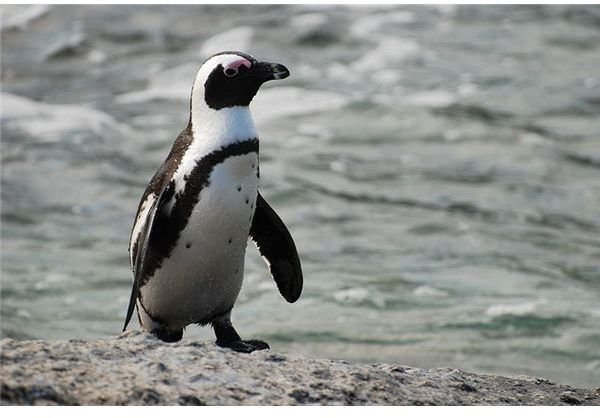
[(229, 79)]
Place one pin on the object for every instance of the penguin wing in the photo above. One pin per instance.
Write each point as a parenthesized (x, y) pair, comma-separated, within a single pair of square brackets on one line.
[(276, 246), (140, 256)]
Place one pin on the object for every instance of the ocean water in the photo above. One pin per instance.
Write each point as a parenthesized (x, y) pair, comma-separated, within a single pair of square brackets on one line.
[(438, 167)]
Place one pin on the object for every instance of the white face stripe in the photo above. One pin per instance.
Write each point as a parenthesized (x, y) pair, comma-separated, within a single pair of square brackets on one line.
[(201, 113)]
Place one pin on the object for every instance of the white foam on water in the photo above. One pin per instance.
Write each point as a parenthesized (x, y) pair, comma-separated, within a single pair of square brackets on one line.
[(48, 122), (96, 56), (444, 9), (514, 309), (590, 82), (593, 365), (357, 295), (23, 313), (354, 294), (532, 139), (19, 17), (308, 20), (173, 84), (388, 52), (387, 76), (338, 166), (150, 120), (595, 312), (175, 92), (430, 98), (308, 72), (467, 89), (367, 25), (341, 72), (428, 291), (279, 102), (65, 42), (236, 39), (315, 130)]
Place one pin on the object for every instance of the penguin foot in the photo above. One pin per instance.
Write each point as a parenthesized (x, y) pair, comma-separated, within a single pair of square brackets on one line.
[(247, 346), (168, 336), (227, 336)]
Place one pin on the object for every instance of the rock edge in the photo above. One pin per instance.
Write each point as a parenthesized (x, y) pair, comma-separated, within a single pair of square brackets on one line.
[(137, 369)]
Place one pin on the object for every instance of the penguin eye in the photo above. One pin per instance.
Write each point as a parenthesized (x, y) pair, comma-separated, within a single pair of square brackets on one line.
[(230, 72)]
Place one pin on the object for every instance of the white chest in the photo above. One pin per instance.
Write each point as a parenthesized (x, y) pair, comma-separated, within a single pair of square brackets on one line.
[(203, 274), (226, 206)]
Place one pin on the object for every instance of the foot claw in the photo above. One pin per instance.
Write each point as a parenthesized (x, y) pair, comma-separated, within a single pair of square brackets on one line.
[(247, 346), (258, 344)]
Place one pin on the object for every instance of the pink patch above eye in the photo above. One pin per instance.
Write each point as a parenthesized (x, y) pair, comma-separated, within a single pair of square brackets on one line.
[(235, 65)]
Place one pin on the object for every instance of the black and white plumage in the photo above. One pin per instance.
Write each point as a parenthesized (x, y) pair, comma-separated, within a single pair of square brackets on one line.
[(189, 238)]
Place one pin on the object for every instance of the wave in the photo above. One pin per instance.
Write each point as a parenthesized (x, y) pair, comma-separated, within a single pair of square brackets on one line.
[(464, 208), (236, 39), (20, 17), (329, 336), (49, 122), (509, 325)]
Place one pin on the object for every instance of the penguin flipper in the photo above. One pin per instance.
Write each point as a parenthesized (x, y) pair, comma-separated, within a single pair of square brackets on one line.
[(276, 246), (142, 247)]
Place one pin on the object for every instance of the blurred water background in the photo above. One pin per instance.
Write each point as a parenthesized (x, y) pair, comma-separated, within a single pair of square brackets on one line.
[(438, 167)]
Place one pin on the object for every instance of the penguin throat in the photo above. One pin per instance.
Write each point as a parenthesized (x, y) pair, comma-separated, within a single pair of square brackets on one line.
[(213, 129)]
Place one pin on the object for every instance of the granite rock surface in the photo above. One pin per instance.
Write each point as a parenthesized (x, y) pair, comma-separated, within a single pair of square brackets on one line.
[(137, 369)]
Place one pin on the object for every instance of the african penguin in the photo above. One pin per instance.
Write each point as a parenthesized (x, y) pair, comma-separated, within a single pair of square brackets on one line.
[(192, 225)]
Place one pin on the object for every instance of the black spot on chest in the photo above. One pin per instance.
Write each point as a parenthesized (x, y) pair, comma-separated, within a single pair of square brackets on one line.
[(169, 225)]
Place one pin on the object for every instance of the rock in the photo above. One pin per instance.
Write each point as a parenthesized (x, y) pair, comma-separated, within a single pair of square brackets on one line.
[(137, 369)]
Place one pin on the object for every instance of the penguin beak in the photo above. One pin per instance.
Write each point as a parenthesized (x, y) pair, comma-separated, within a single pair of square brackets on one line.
[(266, 71)]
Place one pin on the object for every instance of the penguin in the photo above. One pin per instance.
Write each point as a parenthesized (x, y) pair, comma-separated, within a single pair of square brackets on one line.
[(189, 238)]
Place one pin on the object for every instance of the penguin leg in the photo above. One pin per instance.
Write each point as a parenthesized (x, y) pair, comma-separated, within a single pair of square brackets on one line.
[(228, 337), (156, 328), (168, 336)]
